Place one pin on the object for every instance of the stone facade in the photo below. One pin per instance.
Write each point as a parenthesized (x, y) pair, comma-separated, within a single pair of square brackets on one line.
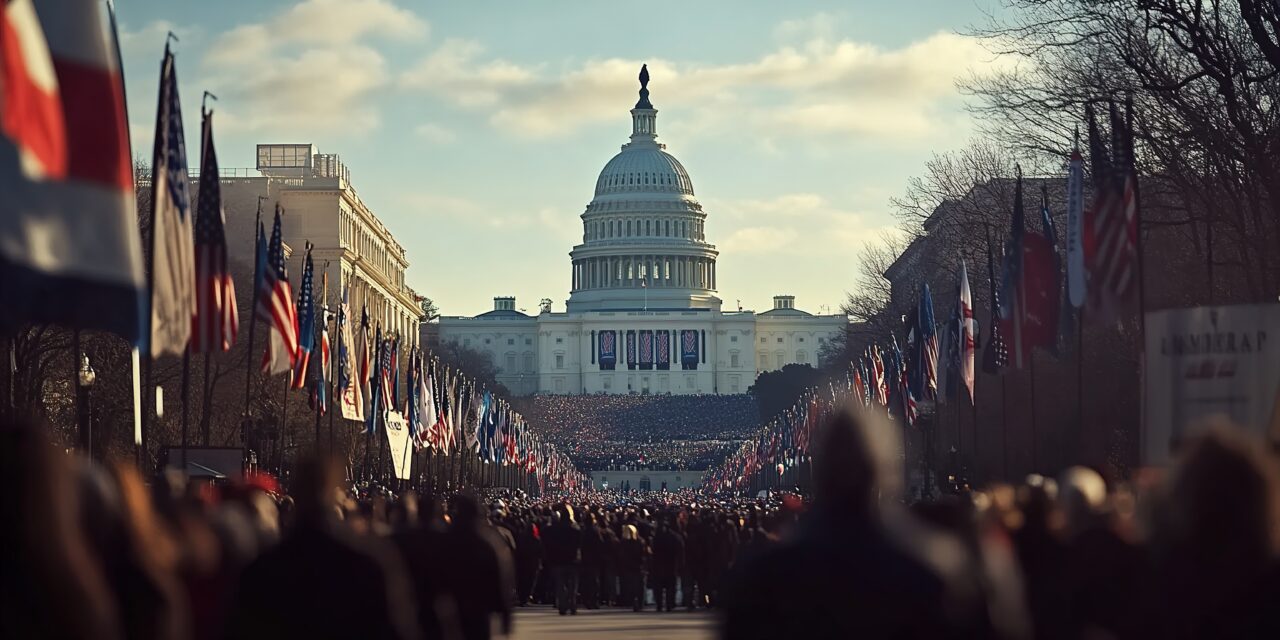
[(644, 275), (321, 206)]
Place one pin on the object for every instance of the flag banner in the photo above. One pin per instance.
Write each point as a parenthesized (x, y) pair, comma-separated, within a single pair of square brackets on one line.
[(968, 332), (662, 342), (217, 319), (928, 346), (631, 349), (646, 349), (70, 249), (1207, 362), (397, 430), (996, 356), (608, 356), (1111, 224), (173, 269), (350, 394), (275, 304), (320, 362), (1040, 292), (306, 322), (1075, 234), (689, 349)]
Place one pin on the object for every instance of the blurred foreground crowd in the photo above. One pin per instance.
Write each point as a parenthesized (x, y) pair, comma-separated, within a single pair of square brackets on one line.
[(93, 552), (643, 431)]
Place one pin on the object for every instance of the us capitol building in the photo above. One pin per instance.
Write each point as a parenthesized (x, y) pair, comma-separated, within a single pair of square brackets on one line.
[(642, 314)]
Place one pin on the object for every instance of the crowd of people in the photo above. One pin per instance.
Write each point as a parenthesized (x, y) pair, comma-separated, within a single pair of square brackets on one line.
[(92, 551), (636, 431)]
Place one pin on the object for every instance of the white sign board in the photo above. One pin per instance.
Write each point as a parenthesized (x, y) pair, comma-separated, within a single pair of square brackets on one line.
[(398, 439), (1206, 362)]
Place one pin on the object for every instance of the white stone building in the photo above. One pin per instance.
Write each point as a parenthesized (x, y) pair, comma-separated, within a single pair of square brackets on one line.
[(321, 206), (642, 315)]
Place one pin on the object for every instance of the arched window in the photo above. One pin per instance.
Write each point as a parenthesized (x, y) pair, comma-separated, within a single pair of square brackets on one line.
[(646, 228), (628, 228)]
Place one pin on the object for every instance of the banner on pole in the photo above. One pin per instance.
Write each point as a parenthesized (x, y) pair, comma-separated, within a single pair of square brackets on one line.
[(1208, 362), (398, 439)]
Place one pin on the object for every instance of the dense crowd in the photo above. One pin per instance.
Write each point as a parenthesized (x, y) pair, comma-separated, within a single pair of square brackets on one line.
[(643, 431), (93, 552)]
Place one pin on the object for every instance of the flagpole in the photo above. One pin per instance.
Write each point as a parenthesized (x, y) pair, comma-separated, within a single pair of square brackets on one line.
[(206, 402), (1031, 365), (284, 420), (1142, 289), (1004, 427), (186, 398), (977, 461), (253, 325), (1080, 458)]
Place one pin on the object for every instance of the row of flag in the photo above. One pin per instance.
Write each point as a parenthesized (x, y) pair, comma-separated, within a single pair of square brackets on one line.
[(71, 247), (1101, 273)]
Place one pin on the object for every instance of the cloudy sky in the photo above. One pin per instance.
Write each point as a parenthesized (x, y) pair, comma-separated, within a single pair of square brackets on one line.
[(476, 129)]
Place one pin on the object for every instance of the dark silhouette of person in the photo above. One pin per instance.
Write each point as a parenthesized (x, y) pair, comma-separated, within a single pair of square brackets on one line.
[(421, 540), (667, 563), (1215, 542), (563, 545), (51, 584), (478, 570), (528, 560), (321, 581), (840, 575), (589, 575), (633, 554)]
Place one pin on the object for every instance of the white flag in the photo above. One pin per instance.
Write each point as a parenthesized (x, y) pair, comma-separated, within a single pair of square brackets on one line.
[(173, 291), (968, 331)]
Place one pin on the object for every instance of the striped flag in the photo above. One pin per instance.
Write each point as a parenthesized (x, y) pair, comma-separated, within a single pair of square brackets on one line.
[(217, 319), (320, 366), (1076, 287), (306, 322), (173, 273), (927, 335), (1111, 224), (377, 405), (996, 356), (968, 330), (275, 304), (70, 250), (350, 391)]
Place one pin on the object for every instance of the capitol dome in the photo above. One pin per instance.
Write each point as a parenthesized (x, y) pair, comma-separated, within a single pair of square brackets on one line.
[(646, 169), (643, 234)]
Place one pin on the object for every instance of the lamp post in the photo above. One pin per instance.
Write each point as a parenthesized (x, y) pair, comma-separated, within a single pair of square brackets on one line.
[(87, 377)]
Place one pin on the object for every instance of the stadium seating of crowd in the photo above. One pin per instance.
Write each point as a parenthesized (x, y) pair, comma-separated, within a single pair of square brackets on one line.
[(643, 431)]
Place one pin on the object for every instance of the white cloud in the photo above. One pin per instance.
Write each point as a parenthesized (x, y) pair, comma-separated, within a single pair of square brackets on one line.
[(453, 71), (818, 87), (773, 224), (310, 69), (434, 133), (759, 240)]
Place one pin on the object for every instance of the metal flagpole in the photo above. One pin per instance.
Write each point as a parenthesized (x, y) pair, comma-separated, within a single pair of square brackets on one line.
[(253, 325), (186, 401), (1004, 428), (284, 420), (1031, 365), (977, 461), (206, 402)]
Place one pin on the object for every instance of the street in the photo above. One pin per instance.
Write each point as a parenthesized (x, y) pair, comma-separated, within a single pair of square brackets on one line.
[(544, 623)]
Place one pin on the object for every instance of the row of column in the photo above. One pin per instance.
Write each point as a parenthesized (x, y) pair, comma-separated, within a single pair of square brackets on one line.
[(654, 271), (383, 312)]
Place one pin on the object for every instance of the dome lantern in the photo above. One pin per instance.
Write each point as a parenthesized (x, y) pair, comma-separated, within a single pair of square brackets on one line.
[(644, 118)]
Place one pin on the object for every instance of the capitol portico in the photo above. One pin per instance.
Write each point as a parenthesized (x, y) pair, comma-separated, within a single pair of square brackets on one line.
[(642, 314)]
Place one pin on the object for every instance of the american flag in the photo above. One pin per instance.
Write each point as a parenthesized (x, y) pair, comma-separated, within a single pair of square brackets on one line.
[(389, 373), (363, 380), (996, 356), (1111, 227), (173, 272), (320, 366), (377, 404), (217, 320), (928, 337), (904, 385), (306, 322), (275, 304)]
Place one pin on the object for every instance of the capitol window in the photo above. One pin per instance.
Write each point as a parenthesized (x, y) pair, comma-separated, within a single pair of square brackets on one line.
[(733, 338), (762, 339), (559, 360), (511, 341), (779, 339)]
